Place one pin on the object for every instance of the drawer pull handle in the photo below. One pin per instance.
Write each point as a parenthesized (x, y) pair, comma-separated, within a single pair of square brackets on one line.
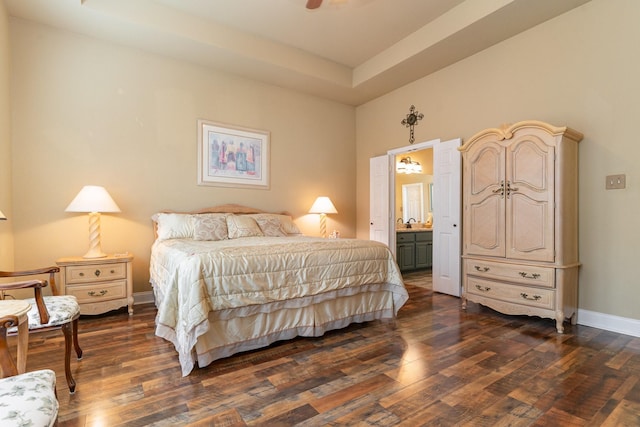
[(532, 298), (93, 293), (483, 288), (113, 271), (483, 269), (97, 273), (81, 274), (529, 276)]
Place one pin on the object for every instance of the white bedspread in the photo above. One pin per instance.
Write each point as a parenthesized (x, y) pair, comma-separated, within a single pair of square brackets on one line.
[(245, 276)]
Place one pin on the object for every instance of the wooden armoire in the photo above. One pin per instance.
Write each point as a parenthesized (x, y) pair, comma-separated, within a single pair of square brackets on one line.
[(520, 220)]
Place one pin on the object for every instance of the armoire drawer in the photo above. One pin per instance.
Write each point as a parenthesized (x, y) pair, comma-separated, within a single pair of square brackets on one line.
[(523, 295), (527, 275)]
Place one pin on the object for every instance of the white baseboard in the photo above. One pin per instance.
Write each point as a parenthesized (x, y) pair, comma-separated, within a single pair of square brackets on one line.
[(143, 298), (609, 322)]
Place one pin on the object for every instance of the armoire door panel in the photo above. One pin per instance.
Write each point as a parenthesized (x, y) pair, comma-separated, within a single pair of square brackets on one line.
[(487, 169), (484, 207), (529, 163), (527, 222), (529, 200), (486, 227)]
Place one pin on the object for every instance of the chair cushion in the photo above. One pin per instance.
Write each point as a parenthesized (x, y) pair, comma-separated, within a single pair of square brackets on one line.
[(29, 399), (62, 309)]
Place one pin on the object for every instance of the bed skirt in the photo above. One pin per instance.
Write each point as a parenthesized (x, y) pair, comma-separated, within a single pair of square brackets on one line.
[(223, 335)]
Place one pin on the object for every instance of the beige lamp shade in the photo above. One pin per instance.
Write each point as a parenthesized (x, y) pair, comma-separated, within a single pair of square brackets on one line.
[(323, 206), (93, 199), (2, 216)]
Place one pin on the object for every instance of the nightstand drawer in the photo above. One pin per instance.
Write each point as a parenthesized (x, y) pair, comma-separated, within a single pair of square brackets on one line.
[(96, 273), (99, 292)]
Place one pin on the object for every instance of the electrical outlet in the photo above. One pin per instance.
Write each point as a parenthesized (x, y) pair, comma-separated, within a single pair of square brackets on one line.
[(616, 182)]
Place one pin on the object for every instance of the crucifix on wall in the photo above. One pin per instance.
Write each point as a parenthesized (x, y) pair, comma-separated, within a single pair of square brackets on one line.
[(412, 120)]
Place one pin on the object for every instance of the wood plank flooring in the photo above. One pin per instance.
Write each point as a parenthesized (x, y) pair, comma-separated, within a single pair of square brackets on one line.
[(438, 365)]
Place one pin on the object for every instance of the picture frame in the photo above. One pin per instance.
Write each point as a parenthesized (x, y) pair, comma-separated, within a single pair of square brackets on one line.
[(232, 156)]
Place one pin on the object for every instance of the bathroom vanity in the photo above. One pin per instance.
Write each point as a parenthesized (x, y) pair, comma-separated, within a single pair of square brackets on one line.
[(414, 248)]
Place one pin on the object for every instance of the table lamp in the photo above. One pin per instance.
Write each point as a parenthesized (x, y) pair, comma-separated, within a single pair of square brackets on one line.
[(93, 199), (2, 216), (323, 206)]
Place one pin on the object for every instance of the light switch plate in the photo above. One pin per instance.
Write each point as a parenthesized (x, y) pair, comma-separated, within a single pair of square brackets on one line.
[(616, 182)]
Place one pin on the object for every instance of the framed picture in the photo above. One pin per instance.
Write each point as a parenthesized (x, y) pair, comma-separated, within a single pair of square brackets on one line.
[(232, 156)]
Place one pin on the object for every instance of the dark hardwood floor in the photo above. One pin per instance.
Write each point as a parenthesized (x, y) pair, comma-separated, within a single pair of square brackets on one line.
[(438, 365)]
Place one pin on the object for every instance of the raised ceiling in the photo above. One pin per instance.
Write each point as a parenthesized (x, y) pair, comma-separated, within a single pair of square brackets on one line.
[(351, 51)]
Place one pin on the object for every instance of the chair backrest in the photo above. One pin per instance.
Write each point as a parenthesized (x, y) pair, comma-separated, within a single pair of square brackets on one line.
[(37, 286), (51, 271)]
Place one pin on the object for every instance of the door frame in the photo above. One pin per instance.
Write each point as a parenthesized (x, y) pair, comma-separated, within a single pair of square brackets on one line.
[(392, 183)]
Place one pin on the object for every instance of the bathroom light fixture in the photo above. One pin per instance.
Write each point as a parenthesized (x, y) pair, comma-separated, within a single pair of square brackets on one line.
[(93, 199), (323, 206), (406, 165)]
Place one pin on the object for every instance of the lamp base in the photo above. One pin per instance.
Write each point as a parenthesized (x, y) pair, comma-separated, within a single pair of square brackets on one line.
[(94, 254), (323, 225), (95, 248)]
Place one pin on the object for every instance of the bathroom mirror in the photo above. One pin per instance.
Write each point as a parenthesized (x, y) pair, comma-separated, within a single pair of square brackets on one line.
[(413, 202)]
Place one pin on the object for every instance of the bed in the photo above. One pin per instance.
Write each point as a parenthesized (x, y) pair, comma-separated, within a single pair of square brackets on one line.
[(231, 278)]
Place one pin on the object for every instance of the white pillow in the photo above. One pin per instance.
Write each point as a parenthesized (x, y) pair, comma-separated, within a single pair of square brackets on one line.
[(174, 226), (210, 227), (242, 226)]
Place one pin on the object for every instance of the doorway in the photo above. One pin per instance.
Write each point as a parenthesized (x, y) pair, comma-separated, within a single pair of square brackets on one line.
[(445, 199)]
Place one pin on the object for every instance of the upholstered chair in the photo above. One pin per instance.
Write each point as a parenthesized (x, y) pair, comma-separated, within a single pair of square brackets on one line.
[(27, 399), (49, 312)]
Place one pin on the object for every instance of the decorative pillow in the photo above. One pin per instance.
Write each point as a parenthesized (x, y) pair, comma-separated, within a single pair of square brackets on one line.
[(287, 226), (174, 226), (270, 226), (242, 226), (210, 227)]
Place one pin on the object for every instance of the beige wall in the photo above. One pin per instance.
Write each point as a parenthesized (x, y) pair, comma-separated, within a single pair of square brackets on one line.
[(89, 112), (6, 236), (580, 70)]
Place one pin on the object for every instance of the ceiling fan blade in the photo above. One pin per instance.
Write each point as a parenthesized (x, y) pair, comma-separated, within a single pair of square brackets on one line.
[(313, 4)]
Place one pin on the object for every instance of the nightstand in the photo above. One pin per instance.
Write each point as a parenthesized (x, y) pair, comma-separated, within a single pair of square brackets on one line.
[(99, 284)]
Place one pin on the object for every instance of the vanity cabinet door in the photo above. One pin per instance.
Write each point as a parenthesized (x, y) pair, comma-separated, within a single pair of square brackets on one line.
[(406, 256), (424, 250)]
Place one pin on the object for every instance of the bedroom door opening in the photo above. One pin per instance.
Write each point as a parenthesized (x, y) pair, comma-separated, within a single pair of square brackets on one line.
[(442, 202)]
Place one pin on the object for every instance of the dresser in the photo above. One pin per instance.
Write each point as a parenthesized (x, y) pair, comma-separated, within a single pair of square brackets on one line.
[(414, 249), (520, 220), (99, 284)]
